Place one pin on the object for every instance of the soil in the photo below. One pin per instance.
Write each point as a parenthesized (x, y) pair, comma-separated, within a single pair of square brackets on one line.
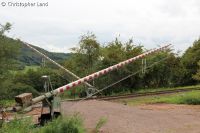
[(155, 118)]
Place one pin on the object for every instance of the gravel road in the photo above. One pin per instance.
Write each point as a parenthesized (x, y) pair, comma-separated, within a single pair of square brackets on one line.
[(157, 118)]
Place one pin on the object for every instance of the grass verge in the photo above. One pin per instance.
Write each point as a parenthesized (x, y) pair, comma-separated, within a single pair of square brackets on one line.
[(157, 89), (190, 98)]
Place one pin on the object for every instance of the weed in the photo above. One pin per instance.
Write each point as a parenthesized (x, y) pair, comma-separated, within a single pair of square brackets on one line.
[(99, 124)]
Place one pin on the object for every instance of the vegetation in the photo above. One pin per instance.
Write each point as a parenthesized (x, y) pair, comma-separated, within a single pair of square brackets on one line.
[(99, 124), (28, 57), (171, 72), (165, 89), (88, 57), (15, 76), (20, 72), (7, 103), (17, 126), (70, 124), (159, 89), (190, 61), (191, 98)]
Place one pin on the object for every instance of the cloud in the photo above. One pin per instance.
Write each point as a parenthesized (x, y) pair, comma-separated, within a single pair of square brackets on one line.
[(59, 26)]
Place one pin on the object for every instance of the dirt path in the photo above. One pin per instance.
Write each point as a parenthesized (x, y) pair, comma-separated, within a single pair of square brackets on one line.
[(159, 118)]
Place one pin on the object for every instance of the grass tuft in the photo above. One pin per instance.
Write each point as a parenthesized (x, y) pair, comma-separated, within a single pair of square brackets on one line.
[(99, 124)]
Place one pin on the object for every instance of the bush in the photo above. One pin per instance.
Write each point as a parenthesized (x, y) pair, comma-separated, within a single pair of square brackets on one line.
[(70, 124), (9, 89)]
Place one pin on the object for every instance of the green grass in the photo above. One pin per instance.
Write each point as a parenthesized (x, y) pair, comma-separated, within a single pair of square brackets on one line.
[(191, 98), (17, 126), (161, 89), (158, 89), (69, 124), (30, 67), (25, 69), (7, 103)]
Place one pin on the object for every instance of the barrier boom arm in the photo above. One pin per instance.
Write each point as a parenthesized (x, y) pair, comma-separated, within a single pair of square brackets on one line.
[(96, 74)]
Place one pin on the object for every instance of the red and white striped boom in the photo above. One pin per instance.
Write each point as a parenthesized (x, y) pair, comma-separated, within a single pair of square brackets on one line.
[(96, 74)]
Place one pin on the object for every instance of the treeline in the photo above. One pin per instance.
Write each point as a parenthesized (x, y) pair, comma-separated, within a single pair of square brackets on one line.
[(90, 56), (164, 69)]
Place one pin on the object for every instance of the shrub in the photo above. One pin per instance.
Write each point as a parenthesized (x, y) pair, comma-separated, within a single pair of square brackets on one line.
[(70, 124)]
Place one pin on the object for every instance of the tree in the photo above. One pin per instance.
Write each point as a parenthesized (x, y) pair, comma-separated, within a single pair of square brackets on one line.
[(5, 28), (85, 55), (9, 49), (34, 78), (166, 73), (115, 52), (197, 75), (190, 61), (90, 48)]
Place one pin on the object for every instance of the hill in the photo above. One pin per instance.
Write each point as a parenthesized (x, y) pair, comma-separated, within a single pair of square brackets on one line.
[(30, 57)]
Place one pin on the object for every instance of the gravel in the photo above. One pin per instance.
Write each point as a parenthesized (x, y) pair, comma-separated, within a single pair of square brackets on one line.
[(157, 118)]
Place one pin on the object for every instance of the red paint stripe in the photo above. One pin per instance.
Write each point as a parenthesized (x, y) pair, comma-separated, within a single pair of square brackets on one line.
[(104, 71), (74, 84), (61, 90), (67, 87), (79, 82)]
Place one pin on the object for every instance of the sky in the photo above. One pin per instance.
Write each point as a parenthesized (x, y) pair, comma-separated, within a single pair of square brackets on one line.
[(58, 26)]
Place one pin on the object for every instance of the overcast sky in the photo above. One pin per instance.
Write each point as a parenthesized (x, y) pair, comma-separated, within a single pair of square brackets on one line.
[(150, 22)]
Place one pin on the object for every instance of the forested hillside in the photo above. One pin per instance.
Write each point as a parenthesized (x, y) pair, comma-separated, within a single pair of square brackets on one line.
[(26, 56), (14, 57), (29, 57)]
